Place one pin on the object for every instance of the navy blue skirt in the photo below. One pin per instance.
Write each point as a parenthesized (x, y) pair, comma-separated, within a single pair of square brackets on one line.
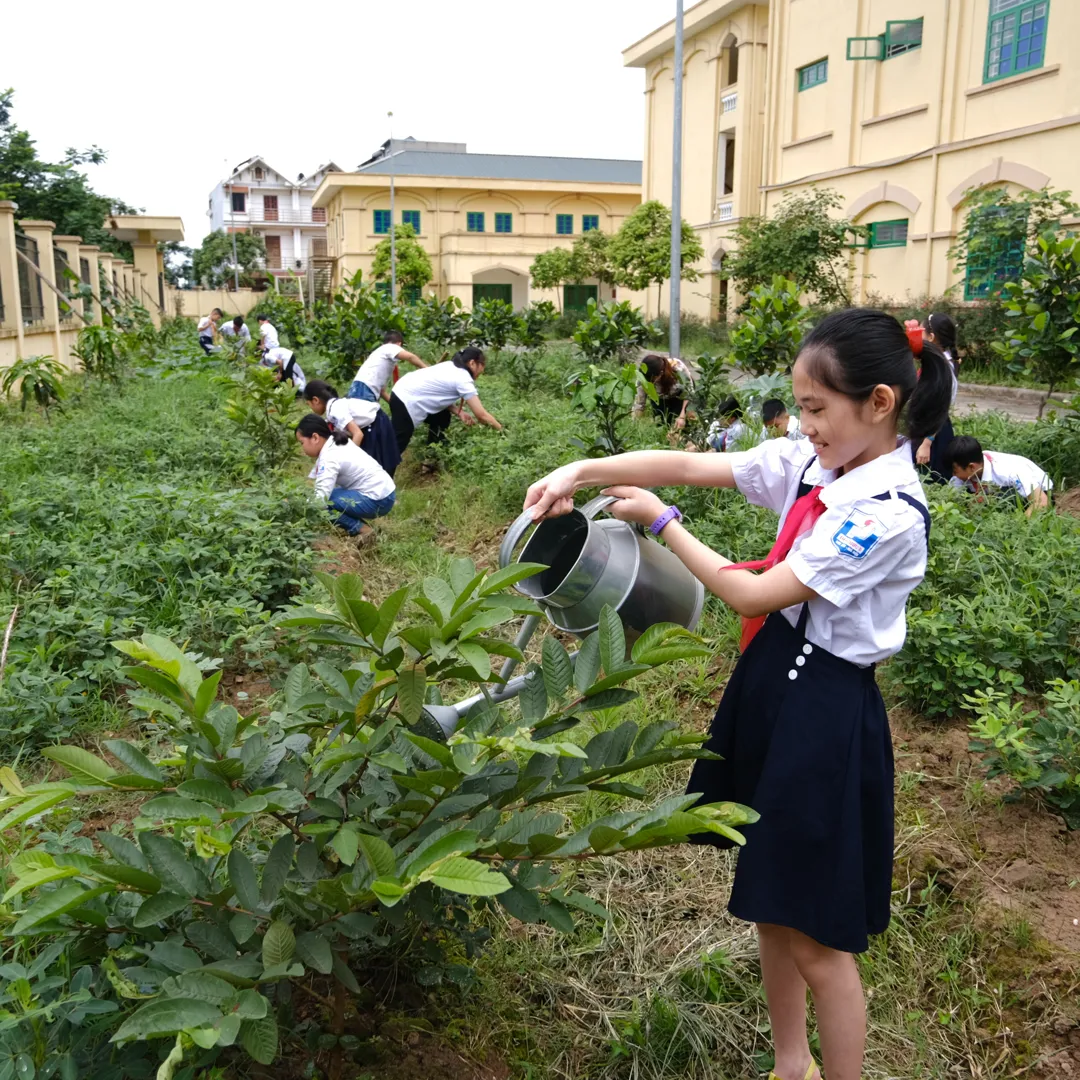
[(812, 754), (381, 443)]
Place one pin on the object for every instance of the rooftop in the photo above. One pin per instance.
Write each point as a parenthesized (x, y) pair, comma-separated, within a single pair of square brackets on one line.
[(506, 167)]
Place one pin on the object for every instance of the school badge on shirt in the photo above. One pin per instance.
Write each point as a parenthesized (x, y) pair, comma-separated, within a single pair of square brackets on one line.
[(858, 535)]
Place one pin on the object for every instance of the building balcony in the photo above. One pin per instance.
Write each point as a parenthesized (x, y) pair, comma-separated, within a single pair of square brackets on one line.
[(259, 215), (729, 101), (725, 209)]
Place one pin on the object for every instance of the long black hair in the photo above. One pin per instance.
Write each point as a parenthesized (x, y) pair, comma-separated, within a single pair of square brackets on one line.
[(321, 390), (314, 424), (854, 350), (470, 352), (944, 330)]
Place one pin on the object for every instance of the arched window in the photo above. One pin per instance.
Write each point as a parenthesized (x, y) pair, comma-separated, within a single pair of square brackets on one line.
[(731, 59)]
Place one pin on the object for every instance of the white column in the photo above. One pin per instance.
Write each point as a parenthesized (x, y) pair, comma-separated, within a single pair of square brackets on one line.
[(721, 159)]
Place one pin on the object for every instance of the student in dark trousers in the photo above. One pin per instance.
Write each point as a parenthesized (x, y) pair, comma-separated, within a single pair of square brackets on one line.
[(802, 729), (932, 452), (432, 395), (362, 421)]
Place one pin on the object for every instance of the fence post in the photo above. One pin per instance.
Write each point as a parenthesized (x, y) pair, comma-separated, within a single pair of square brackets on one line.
[(9, 275), (41, 232), (147, 264)]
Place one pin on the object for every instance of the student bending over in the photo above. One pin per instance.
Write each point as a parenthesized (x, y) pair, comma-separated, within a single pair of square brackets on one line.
[(432, 395), (975, 469), (350, 481), (363, 421), (370, 380), (287, 369), (779, 423)]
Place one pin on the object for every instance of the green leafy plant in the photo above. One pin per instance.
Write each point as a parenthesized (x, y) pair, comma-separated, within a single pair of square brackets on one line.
[(38, 378), (441, 322), (774, 324), (1043, 313), (710, 387), (413, 266), (530, 330), (344, 824), (803, 241), (606, 397), (99, 349), (265, 410), (640, 251), (612, 331), (1038, 749), (493, 324)]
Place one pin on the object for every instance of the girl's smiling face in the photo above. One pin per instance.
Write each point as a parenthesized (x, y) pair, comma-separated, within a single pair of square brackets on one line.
[(845, 433)]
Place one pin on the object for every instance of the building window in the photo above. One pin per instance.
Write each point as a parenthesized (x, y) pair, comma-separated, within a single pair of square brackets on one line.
[(411, 294), (902, 36), (411, 217), (1016, 38), (885, 234), (474, 221), (258, 173), (814, 74), (239, 202), (590, 222), (383, 287), (993, 261), (504, 223), (382, 222), (564, 224)]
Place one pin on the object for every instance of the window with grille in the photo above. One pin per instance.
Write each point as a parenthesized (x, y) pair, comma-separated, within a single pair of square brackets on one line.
[(564, 224), (382, 221), (411, 217), (383, 286), (590, 222), (474, 221), (888, 234), (994, 259), (1016, 37), (259, 174), (33, 303), (902, 36), (239, 202), (504, 223), (411, 294), (814, 74)]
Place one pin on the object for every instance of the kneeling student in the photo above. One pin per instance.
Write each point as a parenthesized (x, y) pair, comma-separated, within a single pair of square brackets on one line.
[(287, 369), (348, 480), (975, 469), (362, 421)]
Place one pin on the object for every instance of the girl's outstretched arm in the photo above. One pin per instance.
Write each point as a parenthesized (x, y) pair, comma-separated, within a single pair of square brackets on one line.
[(553, 495)]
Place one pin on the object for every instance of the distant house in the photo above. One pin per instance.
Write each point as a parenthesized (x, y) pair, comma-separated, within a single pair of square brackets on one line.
[(260, 198), (482, 218)]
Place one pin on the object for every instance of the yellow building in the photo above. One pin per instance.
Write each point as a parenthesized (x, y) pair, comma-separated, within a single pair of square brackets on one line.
[(901, 106), (482, 218)]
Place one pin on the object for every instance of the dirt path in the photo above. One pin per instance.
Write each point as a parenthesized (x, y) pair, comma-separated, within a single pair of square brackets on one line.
[(1016, 402)]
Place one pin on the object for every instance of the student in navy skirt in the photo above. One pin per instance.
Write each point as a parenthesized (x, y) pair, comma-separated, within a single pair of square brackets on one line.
[(933, 452), (802, 728)]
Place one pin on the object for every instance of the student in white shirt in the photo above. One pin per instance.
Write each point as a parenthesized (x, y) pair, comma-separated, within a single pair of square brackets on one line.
[(932, 453), (287, 369), (268, 335), (725, 432), (207, 330), (432, 395), (802, 728), (975, 469), (672, 379), (362, 421), (236, 331), (370, 380), (779, 423), (348, 480)]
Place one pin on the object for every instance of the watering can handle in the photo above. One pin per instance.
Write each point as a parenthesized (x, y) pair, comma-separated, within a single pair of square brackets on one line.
[(517, 530)]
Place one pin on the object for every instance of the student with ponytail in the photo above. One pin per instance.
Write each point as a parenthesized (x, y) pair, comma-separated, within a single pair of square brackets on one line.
[(361, 420), (350, 481), (940, 330), (802, 729)]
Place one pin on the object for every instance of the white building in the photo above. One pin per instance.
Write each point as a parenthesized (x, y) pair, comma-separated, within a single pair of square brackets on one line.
[(261, 198)]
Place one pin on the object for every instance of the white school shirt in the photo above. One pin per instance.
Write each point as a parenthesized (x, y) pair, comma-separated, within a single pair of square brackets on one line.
[(230, 331), (268, 335), (1009, 471), (342, 411), (348, 466), (206, 326), (863, 556), (375, 370), (794, 431), (280, 358), (430, 390)]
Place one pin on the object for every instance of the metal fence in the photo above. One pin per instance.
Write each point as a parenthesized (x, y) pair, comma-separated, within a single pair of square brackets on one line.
[(33, 303)]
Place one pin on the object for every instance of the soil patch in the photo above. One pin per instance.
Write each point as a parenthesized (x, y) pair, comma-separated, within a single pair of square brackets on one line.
[(1068, 502)]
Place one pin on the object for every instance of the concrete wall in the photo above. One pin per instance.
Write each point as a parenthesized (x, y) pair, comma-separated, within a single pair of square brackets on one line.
[(901, 138), (194, 303), (461, 258)]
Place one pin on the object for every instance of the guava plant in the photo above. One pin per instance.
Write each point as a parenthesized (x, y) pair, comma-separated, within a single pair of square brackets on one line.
[(294, 847)]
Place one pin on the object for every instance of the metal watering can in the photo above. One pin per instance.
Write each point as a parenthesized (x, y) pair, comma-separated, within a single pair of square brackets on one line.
[(590, 564)]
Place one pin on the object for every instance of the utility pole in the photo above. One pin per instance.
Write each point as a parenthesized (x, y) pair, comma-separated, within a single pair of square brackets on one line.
[(674, 344), (232, 230), (393, 250)]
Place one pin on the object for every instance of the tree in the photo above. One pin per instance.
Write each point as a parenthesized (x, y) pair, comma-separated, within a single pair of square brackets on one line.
[(803, 241), (999, 228), (212, 265), (413, 265), (590, 257), (551, 269), (177, 260), (641, 250), (767, 340), (56, 192), (1044, 309)]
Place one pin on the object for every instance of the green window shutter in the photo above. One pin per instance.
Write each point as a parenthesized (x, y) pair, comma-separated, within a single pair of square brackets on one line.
[(1015, 37), (411, 217), (383, 286), (504, 223), (382, 221), (590, 222), (564, 224), (814, 74), (474, 222), (577, 297), (995, 261), (866, 48), (885, 234), (412, 294), (505, 293)]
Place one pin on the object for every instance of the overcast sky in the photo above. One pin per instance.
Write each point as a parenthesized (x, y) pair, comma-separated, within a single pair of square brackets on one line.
[(178, 94)]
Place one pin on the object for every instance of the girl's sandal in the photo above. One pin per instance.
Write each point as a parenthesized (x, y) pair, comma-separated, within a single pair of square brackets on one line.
[(809, 1072)]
